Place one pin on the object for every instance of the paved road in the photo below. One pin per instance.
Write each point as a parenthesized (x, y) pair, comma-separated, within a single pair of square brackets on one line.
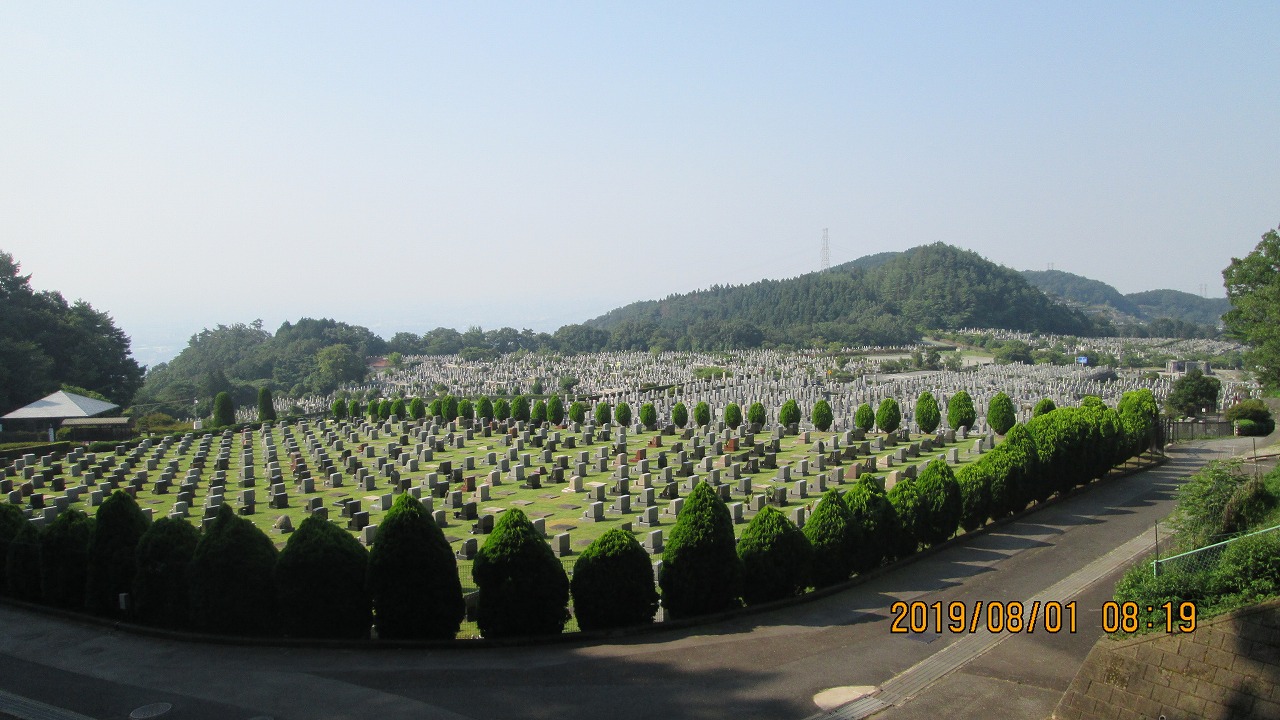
[(761, 666)]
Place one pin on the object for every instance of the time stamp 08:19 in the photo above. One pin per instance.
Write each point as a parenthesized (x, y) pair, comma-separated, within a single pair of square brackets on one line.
[(1052, 617)]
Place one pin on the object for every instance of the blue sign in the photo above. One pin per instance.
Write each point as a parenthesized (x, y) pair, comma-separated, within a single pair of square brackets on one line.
[(1083, 359)]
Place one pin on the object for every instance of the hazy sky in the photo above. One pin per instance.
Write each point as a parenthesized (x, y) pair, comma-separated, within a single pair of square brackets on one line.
[(409, 165)]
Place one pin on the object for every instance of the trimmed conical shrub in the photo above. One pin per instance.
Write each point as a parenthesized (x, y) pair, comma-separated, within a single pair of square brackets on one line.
[(161, 592), (232, 578), (928, 417), (877, 523), (960, 412), (831, 531), (12, 521), (413, 576), (64, 559), (776, 558), (701, 570), (119, 525), (523, 589), (939, 502), (612, 583), (320, 583)]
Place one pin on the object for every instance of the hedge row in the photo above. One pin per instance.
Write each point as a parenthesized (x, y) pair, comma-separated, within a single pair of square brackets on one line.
[(230, 579)]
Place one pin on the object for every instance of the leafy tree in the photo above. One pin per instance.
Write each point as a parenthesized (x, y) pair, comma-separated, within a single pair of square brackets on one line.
[(466, 409), (384, 409), (1253, 287), (12, 520), (320, 579), (555, 410), (701, 570), (679, 415), (755, 414), (232, 578), (888, 416), (648, 416), (577, 412), (523, 589), (1193, 393), (413, 576), (612, 583), (224, 412), (417, 409), (928, 417), (484, 409), (398, 409), (1044, 406), (161, 592), (865, 417), (449, 408), (22, 563), (789, 414), (603, 413), (960, 412), (355, 409), (1014, 351), (435, 409), (822, 416), (338, 364), (266, 408), (338, 409), (1000, 413), (874, 520), (940, 502), (117, 528), (536, 388), (622, 413), (568, 383), (733, 415), (776, 558), (1253, 411), (907, 505), (831, 531), (501, 409), (64, 559), (975, 481), (701, 414), (539, 412)]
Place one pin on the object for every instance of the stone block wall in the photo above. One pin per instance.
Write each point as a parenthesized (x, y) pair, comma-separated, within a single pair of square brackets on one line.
[(1228, 668)]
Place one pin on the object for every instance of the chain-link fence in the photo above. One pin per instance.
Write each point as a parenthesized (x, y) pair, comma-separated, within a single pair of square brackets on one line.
[(1201, 560)]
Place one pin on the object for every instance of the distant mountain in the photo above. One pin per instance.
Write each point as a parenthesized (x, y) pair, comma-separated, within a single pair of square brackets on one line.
[(879, 299), (1143, 307)]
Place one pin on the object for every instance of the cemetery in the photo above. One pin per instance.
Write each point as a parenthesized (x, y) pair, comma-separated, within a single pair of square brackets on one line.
[(603, 476)]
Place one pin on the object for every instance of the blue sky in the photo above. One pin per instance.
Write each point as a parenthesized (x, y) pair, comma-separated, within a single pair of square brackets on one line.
[(410, 165)]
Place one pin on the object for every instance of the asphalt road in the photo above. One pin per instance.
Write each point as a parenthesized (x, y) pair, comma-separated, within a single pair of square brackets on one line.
[(760, 666)]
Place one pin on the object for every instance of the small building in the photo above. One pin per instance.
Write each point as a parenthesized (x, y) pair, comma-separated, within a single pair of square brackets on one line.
[(1180, 367), (51, 410), (110, 428)]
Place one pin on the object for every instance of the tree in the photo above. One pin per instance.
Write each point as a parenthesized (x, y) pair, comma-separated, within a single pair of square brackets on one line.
[(555, 410), (22, 563), (161, 592), (612, 583), (398, 410), (822, 416), (484, 409), (501, 409), (776, 558), (928, 416), (224, 412), (232, 578), (701, 570), (1193, 394), (755, 414), (338, 409), (960, 412), (266, 409), (648, 416), (789, 414), (603, 413), (1044, 406), (874, 520), (733, 415), (940, 503), (384, 409), (466, 409), (320, 580), (413, 576), (523, 589), (337, 364), (622, 413), (355, 409), (449, 408), (865, 417), (1253, 287), (679, 415), (1000, 413), (577, 412), (831, 532), (64, 559), (417, 409), (118, 526), (12, 520), (701, 414), (888, 416)]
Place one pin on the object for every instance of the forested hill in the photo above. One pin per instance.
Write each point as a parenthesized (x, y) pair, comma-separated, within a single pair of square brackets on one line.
[(1146, 306), (881, 299)]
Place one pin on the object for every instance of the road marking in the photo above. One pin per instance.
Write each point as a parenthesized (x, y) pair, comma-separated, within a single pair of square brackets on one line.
[(29, 709)]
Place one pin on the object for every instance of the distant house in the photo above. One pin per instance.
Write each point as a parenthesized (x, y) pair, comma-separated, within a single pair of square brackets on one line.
[(1180, 367), (379, 363), (57, 408)]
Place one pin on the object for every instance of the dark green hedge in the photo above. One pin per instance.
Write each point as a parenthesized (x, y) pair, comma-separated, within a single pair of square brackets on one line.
[(523, 589), (413, 576), (776, 558), (119, 525), (232, 578), (612, 583), (161, 593), (701, 570), (320, 583)]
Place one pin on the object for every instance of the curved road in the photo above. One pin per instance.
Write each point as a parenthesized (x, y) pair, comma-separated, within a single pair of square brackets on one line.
[(768, 665)]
